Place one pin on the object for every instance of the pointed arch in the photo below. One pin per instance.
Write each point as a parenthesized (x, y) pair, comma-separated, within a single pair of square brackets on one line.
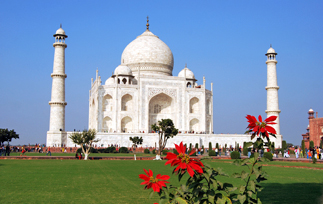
[(126, 124), (194, 105), (126, 103), (107, 103), (107, 124), (194, 125), (161, 106)]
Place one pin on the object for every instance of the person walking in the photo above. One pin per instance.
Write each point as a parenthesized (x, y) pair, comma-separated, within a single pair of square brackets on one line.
[(49, 152)]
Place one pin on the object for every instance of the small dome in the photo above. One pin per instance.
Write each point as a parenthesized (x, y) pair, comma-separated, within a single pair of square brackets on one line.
[(122, 70), (311, 110), (271, 51), (189, 74), (109, 81), (60, 31)]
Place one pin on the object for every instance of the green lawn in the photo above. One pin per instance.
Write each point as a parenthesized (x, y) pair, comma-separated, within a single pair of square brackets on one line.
[(91, 155), (116, 181)]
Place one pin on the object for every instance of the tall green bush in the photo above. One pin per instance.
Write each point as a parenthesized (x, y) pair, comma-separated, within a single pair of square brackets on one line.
[(217, 145), (311, 144), (245, 149), (212, 153), (190, 146), (196, 146), (303, 147), (321, 144), (210, 149), (284, 145)]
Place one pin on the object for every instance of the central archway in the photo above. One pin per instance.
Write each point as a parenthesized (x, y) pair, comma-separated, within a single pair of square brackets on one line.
[(161, 106)]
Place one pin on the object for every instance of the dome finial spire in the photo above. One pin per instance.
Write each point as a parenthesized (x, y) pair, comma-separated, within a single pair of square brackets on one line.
[(185, 65), (270, 45), (147, 23), (60, 25)]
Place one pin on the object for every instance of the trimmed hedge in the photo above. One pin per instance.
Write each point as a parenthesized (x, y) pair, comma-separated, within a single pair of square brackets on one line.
[(154, 151), (212, 153), (268, 155), (235, 155), (146, 151), (123, 150), (92, 150)]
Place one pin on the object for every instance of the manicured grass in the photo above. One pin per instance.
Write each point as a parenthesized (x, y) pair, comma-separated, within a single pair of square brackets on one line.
[(116, 181), (91, 155)]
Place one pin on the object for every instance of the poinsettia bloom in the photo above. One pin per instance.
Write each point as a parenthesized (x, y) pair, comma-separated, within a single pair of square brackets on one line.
[(155, 183), (184, 161), (261, 126)]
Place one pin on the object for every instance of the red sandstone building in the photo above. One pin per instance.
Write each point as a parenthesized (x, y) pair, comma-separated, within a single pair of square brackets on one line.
[(314, 130)]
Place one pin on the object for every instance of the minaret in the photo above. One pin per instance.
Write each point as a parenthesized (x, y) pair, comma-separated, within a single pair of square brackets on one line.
[(272, 88), (57, 103)]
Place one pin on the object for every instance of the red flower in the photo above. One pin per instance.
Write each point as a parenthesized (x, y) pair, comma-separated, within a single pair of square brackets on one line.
[(261, 127), (151, 182), (184, 161)]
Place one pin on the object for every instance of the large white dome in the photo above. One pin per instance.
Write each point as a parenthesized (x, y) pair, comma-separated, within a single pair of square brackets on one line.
[(149, 53)]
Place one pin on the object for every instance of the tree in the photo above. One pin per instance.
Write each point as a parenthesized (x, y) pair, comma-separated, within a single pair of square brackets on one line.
[(303, 147), (7, 135), (136, 141), (85, 139), (284, 147), (311, 144), (321, 143), (165, 129)]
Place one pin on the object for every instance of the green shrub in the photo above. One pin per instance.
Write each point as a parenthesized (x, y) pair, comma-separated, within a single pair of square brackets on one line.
[(92, 150), (210, 149), (190, 145), (314, 159), (165, 151), (303, 146), (123, 150), (245, 149), (146, 151), (212, 153), (235, 155), (154, 151), (217, 145), (291, 151), (196, 146), (311, 144), (268, 155)]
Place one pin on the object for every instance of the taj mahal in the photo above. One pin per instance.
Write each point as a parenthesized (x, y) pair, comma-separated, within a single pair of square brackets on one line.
[(143, 90)]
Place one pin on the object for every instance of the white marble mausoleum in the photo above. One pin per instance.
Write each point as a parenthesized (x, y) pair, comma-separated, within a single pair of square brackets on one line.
[(141, 91)]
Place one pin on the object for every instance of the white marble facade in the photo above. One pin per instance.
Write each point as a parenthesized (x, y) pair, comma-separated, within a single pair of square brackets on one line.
[(143, 90)]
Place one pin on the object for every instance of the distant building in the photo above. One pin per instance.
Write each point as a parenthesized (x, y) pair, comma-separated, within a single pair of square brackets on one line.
[(314, 130)]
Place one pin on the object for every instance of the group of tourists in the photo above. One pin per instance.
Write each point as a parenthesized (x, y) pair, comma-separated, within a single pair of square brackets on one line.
[(5, 150)]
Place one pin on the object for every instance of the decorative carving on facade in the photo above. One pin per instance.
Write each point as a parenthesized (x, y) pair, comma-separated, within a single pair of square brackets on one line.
[(155, 91)]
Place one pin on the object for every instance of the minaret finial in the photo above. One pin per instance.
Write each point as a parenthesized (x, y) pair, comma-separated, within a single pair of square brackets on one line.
[(270, 45), (147, 23), (60, 26), (185, 65)]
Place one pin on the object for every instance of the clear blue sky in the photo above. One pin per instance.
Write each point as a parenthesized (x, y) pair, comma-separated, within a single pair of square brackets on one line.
[(225, 41)]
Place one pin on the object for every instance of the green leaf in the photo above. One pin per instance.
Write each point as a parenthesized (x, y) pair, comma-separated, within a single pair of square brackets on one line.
[(242, 198), (236, 175), (151, 194), (244, 175), (242, 189), (256, 155), (252, 186), (259, 202), (181, 200)]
